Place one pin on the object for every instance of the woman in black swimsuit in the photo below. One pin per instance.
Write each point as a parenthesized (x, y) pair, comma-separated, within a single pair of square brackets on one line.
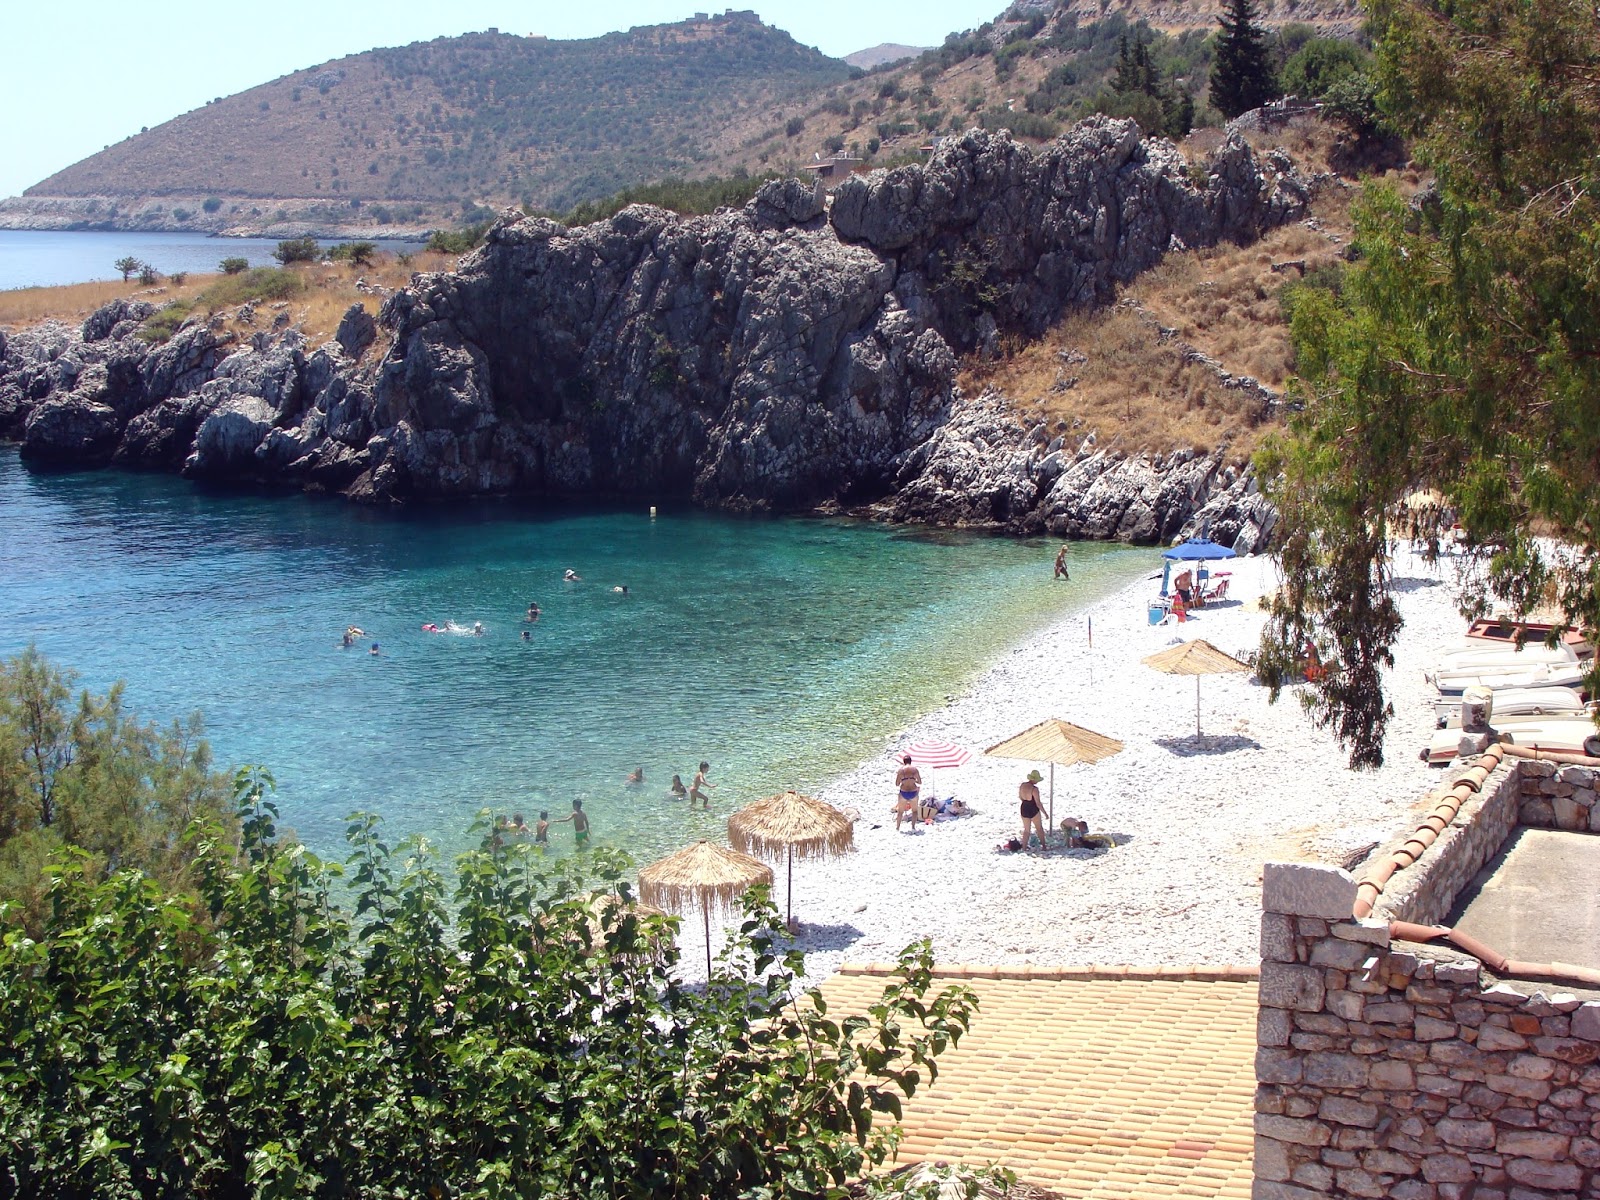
[(1032, 815)]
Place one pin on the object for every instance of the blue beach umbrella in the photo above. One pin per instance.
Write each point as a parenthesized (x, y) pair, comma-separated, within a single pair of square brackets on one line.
[(1193, 550)]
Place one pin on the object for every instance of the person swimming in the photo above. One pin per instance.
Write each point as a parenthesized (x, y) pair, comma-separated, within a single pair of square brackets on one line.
[(570, 576), (431, 627), (526, 636), (678, 791), (620, 589), (636, 777), (533, 611), (374, 649), (477, 629)]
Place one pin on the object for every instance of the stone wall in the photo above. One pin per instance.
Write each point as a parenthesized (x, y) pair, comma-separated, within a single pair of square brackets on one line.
[(1425, 892), (1389, 1069), (1559, 797)]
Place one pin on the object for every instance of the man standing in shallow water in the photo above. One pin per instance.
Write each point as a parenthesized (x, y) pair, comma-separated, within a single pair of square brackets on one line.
[(580, 823)]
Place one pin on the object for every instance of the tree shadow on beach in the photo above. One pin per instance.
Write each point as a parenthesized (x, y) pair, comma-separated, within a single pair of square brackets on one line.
[(1207, 743), (817, 938)]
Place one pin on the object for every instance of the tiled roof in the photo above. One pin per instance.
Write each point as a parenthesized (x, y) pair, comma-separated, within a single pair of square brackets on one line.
[(1093, 1082)]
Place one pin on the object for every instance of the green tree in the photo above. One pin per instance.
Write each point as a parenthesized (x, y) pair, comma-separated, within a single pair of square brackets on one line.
[(359, 253), (293, 250), (1462, 351), (128, 265), (522, 1036), (1242, 77), (236, 265), (81, 772), (1321, 63)]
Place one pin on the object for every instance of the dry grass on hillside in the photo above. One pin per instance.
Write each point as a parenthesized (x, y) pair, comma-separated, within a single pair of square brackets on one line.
[(1112, 372), (328, 293)]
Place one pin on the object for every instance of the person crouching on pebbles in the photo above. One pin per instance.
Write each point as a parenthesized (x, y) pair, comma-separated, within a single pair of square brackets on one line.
[(908, 785)]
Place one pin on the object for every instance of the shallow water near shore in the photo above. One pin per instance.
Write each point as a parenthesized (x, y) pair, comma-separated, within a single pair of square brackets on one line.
[(782, 650)]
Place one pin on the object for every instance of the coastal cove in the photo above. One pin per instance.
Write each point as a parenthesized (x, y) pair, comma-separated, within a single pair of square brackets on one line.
[(51, 258), (782, 650)]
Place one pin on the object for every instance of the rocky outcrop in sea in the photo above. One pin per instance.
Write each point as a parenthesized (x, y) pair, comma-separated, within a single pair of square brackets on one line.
[(797, 354)]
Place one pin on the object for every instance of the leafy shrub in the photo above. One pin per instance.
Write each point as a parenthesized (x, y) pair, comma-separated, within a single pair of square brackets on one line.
[(128, 265), (233, 265), (166, 321), (293, 250), (520, 1035), (258, 283), (212, 204), (179, 278), (1320, 64), (148, 275), (359, 253), (456, 241), (794, 126), (182, 214)]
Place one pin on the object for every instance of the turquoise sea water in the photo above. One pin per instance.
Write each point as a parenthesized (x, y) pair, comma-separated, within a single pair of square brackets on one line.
[(782, 650)]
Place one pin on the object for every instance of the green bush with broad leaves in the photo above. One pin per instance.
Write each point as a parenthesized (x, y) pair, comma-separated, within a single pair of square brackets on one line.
[(299, 1028)]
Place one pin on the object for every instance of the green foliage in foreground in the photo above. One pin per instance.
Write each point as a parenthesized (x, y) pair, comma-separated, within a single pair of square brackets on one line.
[(235, 265), (520, 1037), (77, 771), (1461, 352)]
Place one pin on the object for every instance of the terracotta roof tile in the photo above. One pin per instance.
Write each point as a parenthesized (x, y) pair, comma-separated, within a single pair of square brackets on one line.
[(1125, 1083)]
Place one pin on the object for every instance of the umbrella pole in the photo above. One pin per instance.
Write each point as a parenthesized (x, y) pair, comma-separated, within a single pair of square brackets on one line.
[(1197, 706), (791, 888), (1052, 798), (707, 911)]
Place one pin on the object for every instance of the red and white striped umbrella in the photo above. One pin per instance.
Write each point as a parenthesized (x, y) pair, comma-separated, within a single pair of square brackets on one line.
[(936, 754)]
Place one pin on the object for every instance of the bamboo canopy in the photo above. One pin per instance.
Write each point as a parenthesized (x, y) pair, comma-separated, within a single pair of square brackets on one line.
[(792, 823), (791, 826), (703, 876), (1056, 741), (1196, 658)]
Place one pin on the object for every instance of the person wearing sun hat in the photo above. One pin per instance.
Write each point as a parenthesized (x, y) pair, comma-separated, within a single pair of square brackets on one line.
[(1032, 814)]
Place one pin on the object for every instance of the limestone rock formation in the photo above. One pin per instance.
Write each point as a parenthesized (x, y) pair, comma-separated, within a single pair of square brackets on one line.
[(787, 356)]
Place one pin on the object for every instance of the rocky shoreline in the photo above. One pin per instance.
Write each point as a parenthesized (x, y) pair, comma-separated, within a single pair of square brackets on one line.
[(796, 355)]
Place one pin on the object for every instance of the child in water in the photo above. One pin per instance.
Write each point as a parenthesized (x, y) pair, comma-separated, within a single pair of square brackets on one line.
[(678, 791)]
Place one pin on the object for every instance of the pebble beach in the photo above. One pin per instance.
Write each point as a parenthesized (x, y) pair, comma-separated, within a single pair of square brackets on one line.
[(1195, 816)]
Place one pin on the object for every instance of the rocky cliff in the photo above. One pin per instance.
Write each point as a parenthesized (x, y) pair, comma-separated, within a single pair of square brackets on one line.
[(792, 355)]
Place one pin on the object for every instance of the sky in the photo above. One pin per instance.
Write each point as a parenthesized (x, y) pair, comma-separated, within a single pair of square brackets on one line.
[(81, 76)]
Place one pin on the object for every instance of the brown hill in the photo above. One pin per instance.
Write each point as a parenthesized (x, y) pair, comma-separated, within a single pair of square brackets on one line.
[(876, 56), (483, 117)]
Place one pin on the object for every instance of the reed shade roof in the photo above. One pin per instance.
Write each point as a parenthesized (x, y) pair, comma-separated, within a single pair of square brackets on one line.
[(1056, 741), (703, 876), (790, 825), (1196, 658)]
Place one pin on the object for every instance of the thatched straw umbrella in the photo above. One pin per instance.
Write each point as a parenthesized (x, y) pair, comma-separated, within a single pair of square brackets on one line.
[(703, 876), (1056, 741), (788, 824), (1196, 658)]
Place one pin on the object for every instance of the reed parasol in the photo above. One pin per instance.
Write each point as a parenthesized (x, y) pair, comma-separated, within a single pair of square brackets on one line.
[(703, 876), (1196, 658), (1056, 741), (789, 824)]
